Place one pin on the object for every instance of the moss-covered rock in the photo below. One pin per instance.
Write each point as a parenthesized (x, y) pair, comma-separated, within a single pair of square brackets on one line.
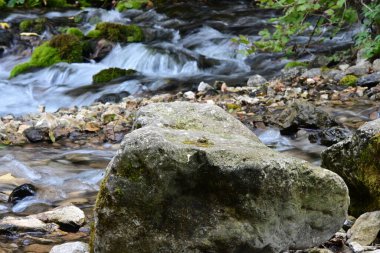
[(210, 186), (107, 75), (357, 161), (33, 25), (61, 48), (130, 4), (75, 31), (349, 80), (119, 32)]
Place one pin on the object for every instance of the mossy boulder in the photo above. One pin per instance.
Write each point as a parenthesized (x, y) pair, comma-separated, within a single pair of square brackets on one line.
[(94, 34), (37, 25), (107, 75), (349, 80), (61, 48), (119, 32), (130, 4), (357, 161), (193, 178)]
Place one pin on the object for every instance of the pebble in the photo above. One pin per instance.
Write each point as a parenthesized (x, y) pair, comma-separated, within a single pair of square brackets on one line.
[(71, 247), (189, 95)]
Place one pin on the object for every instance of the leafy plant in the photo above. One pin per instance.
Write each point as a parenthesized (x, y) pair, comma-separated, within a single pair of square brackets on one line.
[(300, 17)]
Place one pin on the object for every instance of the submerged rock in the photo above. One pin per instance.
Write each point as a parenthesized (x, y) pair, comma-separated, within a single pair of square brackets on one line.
[(302, 114), (195, 179), (21, 192), (357, 161)]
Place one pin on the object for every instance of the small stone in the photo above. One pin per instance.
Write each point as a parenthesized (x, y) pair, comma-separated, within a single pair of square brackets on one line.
[(189, 95), (224, 88), (356, 247), (203, 87), (92, 127), (360, 91), (310, 81), (359, 69), (325, 96), (256, 80), (365, 229), (71, 247), (374, 115), (369, 80), (70, 217), (25, 224), (36, 134), (41, 108), (309, 74), (343, 67)]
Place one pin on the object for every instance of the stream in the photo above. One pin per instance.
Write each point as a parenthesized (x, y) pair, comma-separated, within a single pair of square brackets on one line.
[(185, 44)]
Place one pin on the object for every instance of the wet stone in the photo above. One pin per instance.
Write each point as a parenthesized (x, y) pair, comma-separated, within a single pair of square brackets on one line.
[(21, 192), (36, 134)]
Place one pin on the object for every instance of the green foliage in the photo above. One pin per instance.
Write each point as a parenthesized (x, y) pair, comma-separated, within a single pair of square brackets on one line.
[(56, 3), (75, 31), (294, 64), (2, 3), (349, 80), (367, 39), (296, 19), (130, 4), (107, 75), (119, 32), (94, 34)]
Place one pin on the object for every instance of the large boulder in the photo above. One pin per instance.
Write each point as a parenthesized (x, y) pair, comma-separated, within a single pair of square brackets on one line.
[(357, 161), (194, 179)]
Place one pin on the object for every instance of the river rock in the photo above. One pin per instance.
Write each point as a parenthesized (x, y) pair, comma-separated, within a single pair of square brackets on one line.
[(71, 247), (330, 136), (365, 229), (359, 69), (356, 160), (24, 224), (34, 134), (21, 192), (310, 73), (194, 179), (204, 87), (302, 114), (68, 217), (369, 80), (256, 80), (376, 65)]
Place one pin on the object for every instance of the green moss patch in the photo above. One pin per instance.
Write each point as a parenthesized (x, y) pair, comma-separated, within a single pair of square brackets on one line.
[(349, 80), (107, 75), (61, 48), (94, 34), (119, 32), (33, 25), (130, 4), (294, 64), (75, 31)]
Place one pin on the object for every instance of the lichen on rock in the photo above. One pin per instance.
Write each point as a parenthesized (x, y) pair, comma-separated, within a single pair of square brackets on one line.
[(210, 186)]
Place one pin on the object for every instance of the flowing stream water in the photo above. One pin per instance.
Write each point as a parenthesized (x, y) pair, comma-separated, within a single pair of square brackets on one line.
[(185, 44)]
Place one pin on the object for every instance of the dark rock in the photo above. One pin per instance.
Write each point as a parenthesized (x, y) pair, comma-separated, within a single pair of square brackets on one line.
[(6, 38), (302, 114), (102, 49), (36, 134), (357, 161), (330, 136), (21, 192), (112, 97), (369, 80)]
